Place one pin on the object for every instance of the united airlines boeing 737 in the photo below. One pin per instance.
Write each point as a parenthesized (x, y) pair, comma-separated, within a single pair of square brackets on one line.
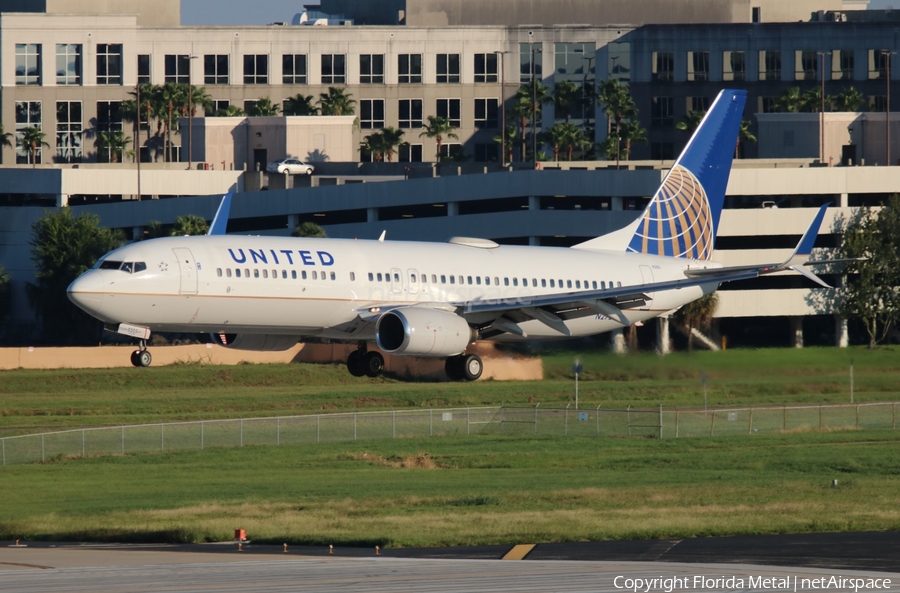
[(433, 299)]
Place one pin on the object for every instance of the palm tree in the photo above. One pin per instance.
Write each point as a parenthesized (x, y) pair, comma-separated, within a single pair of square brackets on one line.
[(263, 107), (510, 138), (556, 136), (619, 106), (529, 103), (437, 128), (565, 96), (519, 111), (197, 95), (632, 133), (691, 121), (230, 111), (155, 230), (336, 102), (32, 139), (5, 137), (697, 314), (743, 134), (300, 105), (189, 224), (309, 229), (170, 97), (791, 100), (112, 144), (392, 137), (376, 145), (848, 100)]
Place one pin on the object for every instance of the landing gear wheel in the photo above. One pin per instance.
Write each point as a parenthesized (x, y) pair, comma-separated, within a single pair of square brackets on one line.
[(471, 367), (144, 358), (355, 363), (453, 368), (134, 358), (373, 364)]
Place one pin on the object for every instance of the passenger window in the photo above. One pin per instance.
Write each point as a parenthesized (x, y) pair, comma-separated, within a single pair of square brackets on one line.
[(265, 273), (578, 284), (460, 279), (333, 276), (506, 282), (219, 272), (139, 267), (315, 275), (619, 284), (594, 284), (412, 278), (293, 274), (515, 281), (568, 284), (352, 276), (487, 280), (496, 281), (452, 279), (396, 277), (284, 274), (371, 277), (560, 283), (552, 283), (434, 278), (443, 279), (379, 276), (524, 281), (470, 280), (255, 273), (534, 282), (237, 272), (303, 275), (228, 272), (543, 283)]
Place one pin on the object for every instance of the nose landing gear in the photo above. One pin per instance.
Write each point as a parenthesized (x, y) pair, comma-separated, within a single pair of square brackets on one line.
[(141, 357)]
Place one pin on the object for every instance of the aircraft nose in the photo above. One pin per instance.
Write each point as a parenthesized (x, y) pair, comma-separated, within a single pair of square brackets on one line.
[(86, 292)]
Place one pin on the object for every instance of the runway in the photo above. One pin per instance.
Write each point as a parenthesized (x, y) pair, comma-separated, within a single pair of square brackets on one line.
[(144, 569)]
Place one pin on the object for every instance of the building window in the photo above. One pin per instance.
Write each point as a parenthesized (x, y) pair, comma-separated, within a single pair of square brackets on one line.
[(769, 65), (220, 107), (410, 153), (334, 69), (806, 64), (878, 60), (215, 69), (409, 68), (527, 69), (28, 115), (842, 64), (69, 132), (699, 104), (663, 66), (256, 69), (487, 153), (371, 113), (698, 66), (447, 69), (733, 66), (178, 69), (661, 112), (109, 63), (575, 61), (660, 151), (487, 113), (486, 69), (68, 64), (878, 103), (371, 69), (28, 64), (452, 151), (756, 14), (449, 109), (109, 120), (293, 69), (768, 104), (143, 69), (410, 113)]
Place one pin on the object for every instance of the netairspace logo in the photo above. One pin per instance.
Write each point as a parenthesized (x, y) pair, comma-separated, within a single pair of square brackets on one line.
[(757, 583)]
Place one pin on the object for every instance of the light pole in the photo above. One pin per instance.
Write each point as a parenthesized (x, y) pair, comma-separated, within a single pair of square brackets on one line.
[(887, 108), (191, 112), (534, 109), (822, 55), (137, 138)]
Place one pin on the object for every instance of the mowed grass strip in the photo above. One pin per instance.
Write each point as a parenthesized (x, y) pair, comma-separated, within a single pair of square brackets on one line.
[(466, 491), (45, 400)]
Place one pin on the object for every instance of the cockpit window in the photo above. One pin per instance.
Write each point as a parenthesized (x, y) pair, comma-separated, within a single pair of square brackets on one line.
[(129, 267)]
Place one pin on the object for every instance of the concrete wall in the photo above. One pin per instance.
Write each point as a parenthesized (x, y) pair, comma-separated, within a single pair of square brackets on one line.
[(158, 13)]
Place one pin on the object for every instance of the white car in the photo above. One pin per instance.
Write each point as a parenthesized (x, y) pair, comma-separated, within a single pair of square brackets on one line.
[(292, 166)]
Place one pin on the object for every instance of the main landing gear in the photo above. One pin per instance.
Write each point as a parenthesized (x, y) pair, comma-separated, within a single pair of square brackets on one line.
[(141, 357), (361, 362), (464, 367)]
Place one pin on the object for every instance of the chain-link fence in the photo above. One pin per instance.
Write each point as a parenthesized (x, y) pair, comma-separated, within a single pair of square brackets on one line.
[(401, 424)]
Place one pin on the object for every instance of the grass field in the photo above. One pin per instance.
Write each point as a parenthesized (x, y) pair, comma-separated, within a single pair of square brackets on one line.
[(457, 490)]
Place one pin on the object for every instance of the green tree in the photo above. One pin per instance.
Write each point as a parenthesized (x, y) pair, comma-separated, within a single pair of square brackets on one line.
[(870, 289), (438, 128), (848, 100), (336, 102), (189, 224), (155, 229), (566, 96), (196, 96), (697, 315), (263, 107), (691, 121), (528, 105), (519, 111), (510, 139), (5, 137), (63, 247), (392, 137), (556, 136), (111, 146), (744, 133), (32, 140), (376, 145), (300, 104), (230, 111), (309, 229), (619, 107), (632, 133), (791, 100)]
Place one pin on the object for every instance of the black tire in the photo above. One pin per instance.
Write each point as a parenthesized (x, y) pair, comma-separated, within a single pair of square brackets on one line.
[(309, 172), (453, 368), (134, 358), (373, 364), (471, 367), (355, 364), (145, 358)]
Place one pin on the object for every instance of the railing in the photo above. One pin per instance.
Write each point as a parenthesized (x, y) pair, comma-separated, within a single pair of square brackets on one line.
[(505, 420)]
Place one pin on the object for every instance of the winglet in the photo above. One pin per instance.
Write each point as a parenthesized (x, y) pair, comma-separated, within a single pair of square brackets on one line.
[(805, 247), (220, 221)]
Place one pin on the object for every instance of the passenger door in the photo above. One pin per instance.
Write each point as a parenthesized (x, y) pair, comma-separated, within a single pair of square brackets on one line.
[(188, 269)]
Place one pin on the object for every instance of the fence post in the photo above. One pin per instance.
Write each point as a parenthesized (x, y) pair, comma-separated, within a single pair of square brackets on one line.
[(535, 418), (598, 420), (162, 437), (202, 434), (317, 427), (820, 416), (242, 432), (857, 416), (393, 424), (784, 418), (123, 440), (676, 422), (431, 422), (893, 416), (82, 443), (42, 447), (467, 421), (566, 431), (354, 426), (502, 418), (4, 450), (628, 419), (660, 421), (277, 431), (712, 424), (750, 430)]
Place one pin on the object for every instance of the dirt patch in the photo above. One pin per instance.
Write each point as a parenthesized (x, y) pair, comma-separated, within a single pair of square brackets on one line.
[(417, 461)]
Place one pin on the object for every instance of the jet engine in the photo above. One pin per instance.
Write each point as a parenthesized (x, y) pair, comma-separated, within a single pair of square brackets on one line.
[(420, 331), (257, 342)]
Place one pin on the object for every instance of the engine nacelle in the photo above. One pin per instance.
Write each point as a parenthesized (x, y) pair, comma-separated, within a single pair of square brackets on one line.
[(256, 342), (419, 331)]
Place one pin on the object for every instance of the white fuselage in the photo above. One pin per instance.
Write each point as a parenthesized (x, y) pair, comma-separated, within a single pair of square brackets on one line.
[(321, 287)]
